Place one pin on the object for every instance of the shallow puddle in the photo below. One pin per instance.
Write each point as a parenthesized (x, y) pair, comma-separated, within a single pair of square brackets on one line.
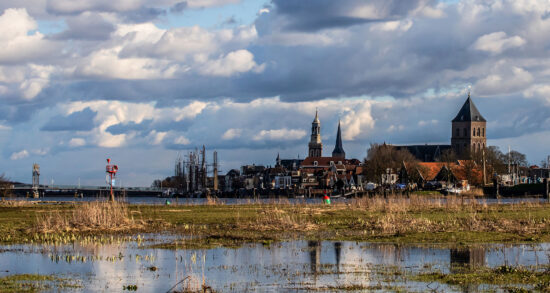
[(286, 266)]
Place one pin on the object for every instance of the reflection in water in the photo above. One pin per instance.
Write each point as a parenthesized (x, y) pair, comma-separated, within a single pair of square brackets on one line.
[(464, 259), (314, 256), (337, 253), (285, 266), (470, 257)]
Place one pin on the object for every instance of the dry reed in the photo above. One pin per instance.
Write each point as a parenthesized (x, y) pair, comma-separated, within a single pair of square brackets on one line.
[(97, 215), (272, 218), (16, 203)]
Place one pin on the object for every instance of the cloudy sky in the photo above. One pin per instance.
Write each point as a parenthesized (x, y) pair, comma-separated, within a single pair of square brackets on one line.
[(140, 81)]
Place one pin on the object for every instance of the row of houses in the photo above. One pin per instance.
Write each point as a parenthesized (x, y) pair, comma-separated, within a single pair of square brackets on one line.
[(311, 174)]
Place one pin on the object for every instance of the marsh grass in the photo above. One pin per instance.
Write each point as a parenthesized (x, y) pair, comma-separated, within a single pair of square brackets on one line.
[(16, 203), (273, 218), (35, 283), (89, 216), (537, 278)]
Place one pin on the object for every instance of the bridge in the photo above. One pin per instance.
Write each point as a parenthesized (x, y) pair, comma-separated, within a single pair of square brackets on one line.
[(83, 191)]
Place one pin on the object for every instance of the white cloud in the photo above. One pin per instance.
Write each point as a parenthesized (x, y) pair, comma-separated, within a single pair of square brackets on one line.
[(540, 91), (156, 138), (280, 134), (429, 122), (19, 155), (4, 127), (77, 142), (497, 42), (106, 63), (357, 121), (19, 42), (41, 151), (388, 26), (235, 62), (504, 80), (182, 140), (232, 133), (190, 111)]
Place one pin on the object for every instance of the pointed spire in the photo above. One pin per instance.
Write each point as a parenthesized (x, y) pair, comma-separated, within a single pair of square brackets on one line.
[(338, 148), (316, 120)]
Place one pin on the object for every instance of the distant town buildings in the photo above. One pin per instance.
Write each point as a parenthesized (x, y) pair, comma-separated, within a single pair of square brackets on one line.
[(436, 166), (468, 135)]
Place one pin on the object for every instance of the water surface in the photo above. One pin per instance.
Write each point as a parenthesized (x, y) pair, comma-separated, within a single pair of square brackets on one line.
[(285, 266)]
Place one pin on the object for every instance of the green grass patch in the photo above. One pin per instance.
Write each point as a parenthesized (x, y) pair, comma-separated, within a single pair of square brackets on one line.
[(35, 283), (232, 225), (504, 276)]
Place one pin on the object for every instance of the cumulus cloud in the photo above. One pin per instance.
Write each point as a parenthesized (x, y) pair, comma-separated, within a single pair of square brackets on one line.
[(357, 121), (232, 133), (19, 155), (504, 80), (280, 134), (77, 142), (182, 140), (388, 69), (156, 138), (20, 41), (235, 62), (497, 42)]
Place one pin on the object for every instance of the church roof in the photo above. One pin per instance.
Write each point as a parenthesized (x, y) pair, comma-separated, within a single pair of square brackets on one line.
[(338, 148), (425, 153), (469, 112)]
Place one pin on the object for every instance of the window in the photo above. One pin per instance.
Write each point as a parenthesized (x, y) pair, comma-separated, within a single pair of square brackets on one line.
[(315, 163), (483, 132), (474, 132), (339, 162), (478, 132), (465, 132), (458, 132), (332, 163)]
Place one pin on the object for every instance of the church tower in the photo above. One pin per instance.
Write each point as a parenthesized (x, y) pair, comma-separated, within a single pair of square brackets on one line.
[(469, 133), (338, 151), (315, 144)]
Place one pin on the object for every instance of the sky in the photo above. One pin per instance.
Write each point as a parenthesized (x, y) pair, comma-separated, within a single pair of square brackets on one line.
[(142, 81)]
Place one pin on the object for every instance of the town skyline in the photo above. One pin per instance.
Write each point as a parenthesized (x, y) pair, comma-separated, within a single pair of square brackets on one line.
[(140, 81)]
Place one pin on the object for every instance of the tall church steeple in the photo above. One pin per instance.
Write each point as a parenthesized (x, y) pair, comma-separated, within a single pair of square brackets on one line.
[(338, 151), (315, 144), (468, 130)]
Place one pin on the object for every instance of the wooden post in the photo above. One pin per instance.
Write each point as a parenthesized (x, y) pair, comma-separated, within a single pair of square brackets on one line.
[(484, 172), (547, 189)]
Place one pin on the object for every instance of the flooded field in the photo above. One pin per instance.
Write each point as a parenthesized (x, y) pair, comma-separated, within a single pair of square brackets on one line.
[(280, 266)]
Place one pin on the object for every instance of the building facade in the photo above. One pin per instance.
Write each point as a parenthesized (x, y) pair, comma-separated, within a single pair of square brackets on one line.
[(469, 133), (315, 143)]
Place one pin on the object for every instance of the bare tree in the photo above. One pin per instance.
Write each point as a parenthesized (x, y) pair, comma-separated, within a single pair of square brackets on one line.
[(448, 156), (5, 186), (380, 157)]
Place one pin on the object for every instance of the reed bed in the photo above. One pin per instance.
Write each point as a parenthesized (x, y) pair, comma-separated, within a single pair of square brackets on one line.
[(90, 216), (16, 203)]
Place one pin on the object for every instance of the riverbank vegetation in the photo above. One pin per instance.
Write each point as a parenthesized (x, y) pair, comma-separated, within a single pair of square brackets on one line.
[(511, 279), (35, 283), (452, 220)]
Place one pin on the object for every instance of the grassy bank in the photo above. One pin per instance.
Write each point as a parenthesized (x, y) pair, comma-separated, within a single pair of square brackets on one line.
[(511, 279), (400, 220), (35, 283)]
